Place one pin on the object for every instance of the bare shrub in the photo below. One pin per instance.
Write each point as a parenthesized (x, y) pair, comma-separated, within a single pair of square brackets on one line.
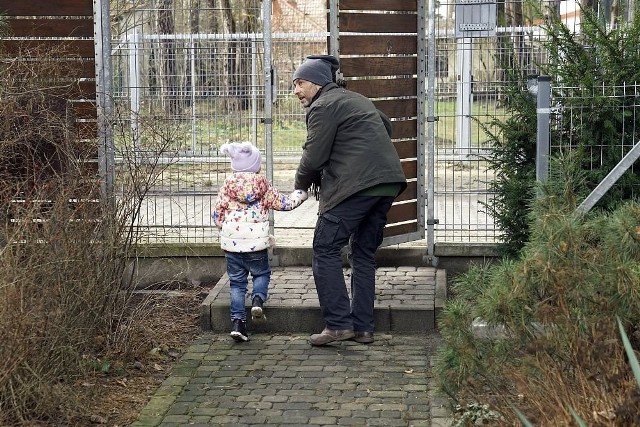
[(64, 248)]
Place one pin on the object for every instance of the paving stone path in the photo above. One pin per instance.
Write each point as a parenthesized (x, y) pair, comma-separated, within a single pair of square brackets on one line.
[(282, 380)]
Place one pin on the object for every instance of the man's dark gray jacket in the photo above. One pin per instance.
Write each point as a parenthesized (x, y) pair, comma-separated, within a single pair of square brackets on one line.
[(348, 145)]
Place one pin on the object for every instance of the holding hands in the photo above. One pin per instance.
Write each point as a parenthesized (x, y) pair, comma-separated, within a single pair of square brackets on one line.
[(299, 194)]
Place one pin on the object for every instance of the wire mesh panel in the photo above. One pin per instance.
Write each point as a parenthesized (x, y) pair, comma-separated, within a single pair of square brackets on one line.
[(187, 78), (475, 52), (289, 50), (602, 122)]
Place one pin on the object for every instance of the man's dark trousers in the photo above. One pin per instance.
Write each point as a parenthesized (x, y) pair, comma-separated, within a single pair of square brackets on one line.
[(358, 221)]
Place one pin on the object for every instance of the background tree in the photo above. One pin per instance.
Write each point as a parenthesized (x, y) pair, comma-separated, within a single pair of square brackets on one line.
[(167, 57), (597, 119)]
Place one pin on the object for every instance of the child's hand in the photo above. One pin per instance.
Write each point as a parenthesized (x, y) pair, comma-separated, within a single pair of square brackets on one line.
[(300, 194)]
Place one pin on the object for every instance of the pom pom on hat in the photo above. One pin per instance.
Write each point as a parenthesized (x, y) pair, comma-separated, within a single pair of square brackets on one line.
[(316, 70), (244, 156)]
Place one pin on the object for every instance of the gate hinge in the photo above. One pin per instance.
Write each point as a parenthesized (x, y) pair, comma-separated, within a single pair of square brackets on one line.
[(433, 221), (433, 118)]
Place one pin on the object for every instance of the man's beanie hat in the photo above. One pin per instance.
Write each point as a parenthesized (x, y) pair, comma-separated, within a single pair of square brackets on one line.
[(244, 156), (318, 69)]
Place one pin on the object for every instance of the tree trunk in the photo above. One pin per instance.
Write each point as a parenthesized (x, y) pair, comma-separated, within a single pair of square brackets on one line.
[(167, 58), (228, 57), (190, 82)]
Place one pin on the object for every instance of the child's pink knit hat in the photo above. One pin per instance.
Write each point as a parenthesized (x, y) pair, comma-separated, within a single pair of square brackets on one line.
[(244, 156)]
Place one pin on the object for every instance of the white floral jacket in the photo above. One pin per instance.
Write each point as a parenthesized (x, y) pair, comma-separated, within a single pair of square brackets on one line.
[(241, 211)]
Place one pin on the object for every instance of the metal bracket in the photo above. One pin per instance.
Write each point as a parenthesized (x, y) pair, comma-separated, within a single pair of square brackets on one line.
[(431, 260)]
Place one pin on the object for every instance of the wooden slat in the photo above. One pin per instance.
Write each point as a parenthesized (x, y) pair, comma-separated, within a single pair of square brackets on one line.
[(377, 44), (51, 27), (86, 130), (410, 169), (88, 169), (405, 128), (403, 212), (82, 68), (410, 193), (46, 7), (398, 107), (61, 48), (72, 88), (377, 23), (379, 88), (379, 66), (395, 5), (85, 89), (396, 230), (88, 152), (85, 110), (407, 149)]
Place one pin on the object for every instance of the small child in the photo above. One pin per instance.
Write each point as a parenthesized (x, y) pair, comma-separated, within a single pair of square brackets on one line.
[(241, 212)]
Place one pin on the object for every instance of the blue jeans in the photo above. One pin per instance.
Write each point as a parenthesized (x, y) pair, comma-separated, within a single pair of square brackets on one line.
[(358, 221), (239, 265)]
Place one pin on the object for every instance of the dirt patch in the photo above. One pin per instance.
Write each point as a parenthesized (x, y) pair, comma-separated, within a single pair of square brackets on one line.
[(125, 390)]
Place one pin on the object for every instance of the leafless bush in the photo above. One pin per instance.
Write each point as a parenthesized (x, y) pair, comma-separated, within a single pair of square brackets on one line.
[(64, 248)]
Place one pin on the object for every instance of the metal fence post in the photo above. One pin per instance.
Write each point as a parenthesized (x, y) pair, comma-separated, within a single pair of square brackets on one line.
[(543, 111), (268, 111), (104, 91), (431, 220)]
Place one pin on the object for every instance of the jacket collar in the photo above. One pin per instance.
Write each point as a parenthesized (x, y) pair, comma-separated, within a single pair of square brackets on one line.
[(325, 88)]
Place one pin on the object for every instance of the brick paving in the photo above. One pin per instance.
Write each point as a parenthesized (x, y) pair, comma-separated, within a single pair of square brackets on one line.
[(403, 295), (282, 380), (277, 378)]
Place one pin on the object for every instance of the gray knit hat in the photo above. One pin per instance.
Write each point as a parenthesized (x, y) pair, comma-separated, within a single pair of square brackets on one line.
[(318, 71)]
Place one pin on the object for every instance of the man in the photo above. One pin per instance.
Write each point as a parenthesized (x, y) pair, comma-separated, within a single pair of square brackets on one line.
[(349, 155)]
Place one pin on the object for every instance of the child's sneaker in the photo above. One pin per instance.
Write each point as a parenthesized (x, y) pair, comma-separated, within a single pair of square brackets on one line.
[(257, 313), (239, 331)]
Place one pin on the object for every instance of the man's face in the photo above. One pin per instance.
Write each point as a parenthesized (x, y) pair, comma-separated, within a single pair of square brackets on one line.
[(305, 91)]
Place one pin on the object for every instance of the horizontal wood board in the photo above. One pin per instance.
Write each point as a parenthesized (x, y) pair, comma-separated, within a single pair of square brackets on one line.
[(392, 5), (46, 7), (382, 44), (51, 27), (378, 66), (403, 212), (377, 23), (384, 88), (63, 48), (398, 108)]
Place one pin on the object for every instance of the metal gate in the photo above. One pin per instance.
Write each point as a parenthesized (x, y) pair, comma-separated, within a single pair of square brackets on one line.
[(190, 76), (380, 47)]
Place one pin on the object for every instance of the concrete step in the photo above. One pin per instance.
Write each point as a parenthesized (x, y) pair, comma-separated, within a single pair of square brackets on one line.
[(408, 300)]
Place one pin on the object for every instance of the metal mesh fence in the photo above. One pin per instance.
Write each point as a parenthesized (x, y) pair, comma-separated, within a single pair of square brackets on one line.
[(603, 123), (188, 76), (469, 83)]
